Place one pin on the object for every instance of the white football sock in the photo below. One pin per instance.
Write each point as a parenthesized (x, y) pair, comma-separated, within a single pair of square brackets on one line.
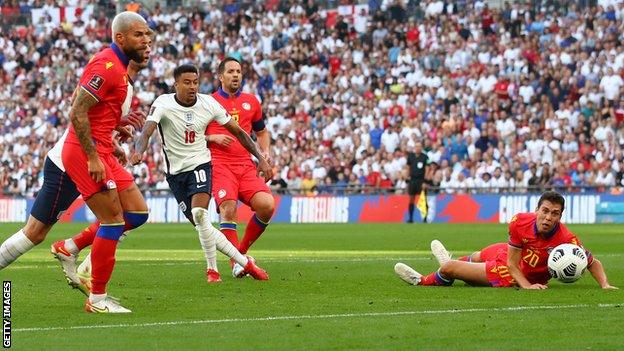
[(212, 235), (225, 246), (70, 245), (13, 247), (95, 298), (206, 239)]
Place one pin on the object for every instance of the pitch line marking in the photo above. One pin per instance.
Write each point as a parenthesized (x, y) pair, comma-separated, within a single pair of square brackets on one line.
[(320, 316), (159, 262)]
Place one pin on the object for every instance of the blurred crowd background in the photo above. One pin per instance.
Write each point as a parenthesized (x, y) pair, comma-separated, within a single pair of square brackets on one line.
[(503, 96)]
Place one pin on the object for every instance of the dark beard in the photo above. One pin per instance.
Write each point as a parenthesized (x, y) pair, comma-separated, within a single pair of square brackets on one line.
[(135, 56)]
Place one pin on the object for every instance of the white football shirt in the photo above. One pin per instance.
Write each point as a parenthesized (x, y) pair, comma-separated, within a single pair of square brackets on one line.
[(182, 130)]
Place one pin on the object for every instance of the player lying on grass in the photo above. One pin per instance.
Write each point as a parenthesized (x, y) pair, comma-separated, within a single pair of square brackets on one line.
[(522, 262), (182, 119)]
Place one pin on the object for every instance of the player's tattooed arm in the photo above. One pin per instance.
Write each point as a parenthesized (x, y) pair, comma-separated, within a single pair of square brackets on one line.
[(141, 144), (83, 101), (264, 169)]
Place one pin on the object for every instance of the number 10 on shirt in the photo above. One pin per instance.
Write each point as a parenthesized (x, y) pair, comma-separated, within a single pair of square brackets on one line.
[(189, 136)]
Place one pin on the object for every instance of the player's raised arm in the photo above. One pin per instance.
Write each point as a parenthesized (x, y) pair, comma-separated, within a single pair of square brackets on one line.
[(80, 120), (597, 271), (141, 144), (263, 166)]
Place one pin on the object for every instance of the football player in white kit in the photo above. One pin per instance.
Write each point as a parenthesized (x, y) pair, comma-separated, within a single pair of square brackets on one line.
[(182, 118)]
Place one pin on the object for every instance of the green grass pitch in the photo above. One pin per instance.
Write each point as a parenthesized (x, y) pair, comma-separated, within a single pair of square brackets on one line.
[(332, 287)]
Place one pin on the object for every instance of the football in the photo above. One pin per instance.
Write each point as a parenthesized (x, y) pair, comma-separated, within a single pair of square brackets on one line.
[(567, 262)]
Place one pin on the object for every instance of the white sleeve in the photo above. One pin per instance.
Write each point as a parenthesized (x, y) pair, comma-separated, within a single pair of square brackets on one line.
[(156, 112), (217, 111)]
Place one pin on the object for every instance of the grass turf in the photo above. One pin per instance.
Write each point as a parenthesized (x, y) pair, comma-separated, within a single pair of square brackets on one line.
[(332, 287)]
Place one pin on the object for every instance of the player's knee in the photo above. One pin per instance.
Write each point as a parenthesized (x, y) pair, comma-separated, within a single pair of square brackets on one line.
[(265, 212), (135, 219), (228, 212), (449, 269)]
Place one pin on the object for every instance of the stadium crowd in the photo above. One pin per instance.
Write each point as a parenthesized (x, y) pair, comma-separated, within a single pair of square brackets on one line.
[(502, 99)]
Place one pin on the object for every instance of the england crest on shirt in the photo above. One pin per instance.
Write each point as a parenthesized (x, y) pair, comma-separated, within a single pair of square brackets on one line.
[(188, 118)]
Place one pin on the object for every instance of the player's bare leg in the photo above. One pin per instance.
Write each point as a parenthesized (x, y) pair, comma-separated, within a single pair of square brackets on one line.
[(106, 206), (471, 273), (33, 233), (211, 238)]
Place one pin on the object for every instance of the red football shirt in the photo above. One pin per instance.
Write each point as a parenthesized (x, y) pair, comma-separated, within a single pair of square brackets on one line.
[(106, 79), (245, 109), (536, 248)]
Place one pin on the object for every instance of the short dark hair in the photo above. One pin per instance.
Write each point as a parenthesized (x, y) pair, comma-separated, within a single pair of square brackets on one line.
[(187, 68), (552, 197), (221, 68)]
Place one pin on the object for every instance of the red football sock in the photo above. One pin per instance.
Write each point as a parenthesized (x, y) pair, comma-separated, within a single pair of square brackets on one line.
[(102, 263), (86, 236), (254, 229), (103, 256), (229, 230), (428, 280), (436, 279)]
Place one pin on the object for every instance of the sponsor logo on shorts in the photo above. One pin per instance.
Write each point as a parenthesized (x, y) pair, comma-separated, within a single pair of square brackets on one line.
[(96, 82), (221, 193), (182, 206), (246, 106), (111, 185)]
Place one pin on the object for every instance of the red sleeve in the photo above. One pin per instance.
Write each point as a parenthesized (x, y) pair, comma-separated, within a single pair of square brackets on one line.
[(95, 80), (515, 238)]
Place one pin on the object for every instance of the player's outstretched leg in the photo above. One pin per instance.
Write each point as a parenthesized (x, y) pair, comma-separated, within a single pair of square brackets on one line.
[(407, 273), (14, 247), (439, 251), (202, 221), (33, 233), (66, 252)]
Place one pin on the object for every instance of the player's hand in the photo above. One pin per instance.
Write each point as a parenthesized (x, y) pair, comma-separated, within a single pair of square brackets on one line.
[(134, 118), (537, 287), (267, 157), (220, 139), (125, 133), (96, 168), (120, 155), (265, 170), (136, 158), (610, 287)]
